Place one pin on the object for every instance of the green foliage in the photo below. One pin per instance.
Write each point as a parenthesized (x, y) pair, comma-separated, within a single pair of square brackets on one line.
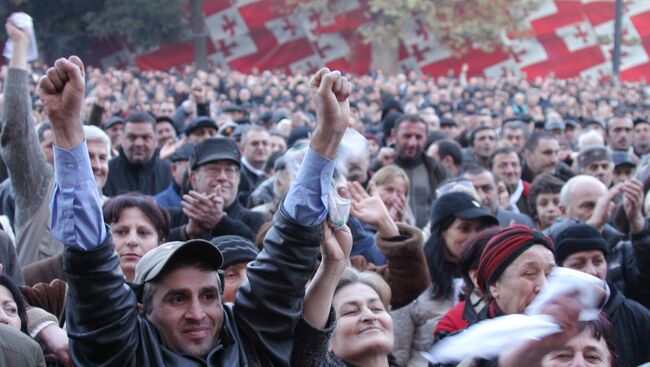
[(66, 27), (142, 23)]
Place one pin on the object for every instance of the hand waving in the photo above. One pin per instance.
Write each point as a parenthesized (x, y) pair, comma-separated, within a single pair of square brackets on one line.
[(371, 210)]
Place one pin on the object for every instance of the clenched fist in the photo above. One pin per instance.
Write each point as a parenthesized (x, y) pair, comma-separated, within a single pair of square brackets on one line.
[(62, 92)]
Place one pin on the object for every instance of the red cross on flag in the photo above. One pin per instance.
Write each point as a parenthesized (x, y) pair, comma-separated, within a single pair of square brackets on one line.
[(577, 36), (285, 29), (225, 24)]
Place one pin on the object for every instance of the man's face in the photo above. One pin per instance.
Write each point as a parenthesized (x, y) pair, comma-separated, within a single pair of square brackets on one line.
[(411, 137), (207, 177), (139, 143), (515, 138), (47, 146), (620, 133), (451, 131), (622, 173), (200, 134), (233, 276), (487, 190), (277, 144), (507, 165), (582, 206), (256, 149), (485, 141), (98, 154), (165, 132), (641, 138), (544, 158), (115, 133), (602, 170), (178, 170), (186, 310)]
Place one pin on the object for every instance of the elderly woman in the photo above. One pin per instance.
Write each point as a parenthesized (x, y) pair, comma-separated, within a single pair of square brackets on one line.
[(345, 316)]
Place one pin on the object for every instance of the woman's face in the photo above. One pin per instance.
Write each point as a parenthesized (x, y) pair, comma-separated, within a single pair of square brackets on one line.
[(393, 194), (457, 234), (363, 325), (583, 350), (9, 310), (134, 236), (523, 279)]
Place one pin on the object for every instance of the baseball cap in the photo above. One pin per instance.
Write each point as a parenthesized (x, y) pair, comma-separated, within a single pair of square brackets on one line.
[(460, 205), (215, 149), (199, 122), (621, 158), (113, 121), (155, 261), (554, 125), (183, 153), (593, 154)]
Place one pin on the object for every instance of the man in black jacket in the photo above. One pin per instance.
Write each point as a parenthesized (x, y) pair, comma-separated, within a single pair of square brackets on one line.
[(138, 167), (214, 179), (582, 247), (185, 322)]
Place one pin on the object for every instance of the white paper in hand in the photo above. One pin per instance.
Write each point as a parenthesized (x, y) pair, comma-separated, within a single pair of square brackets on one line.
[(22, 21), (489, 338)]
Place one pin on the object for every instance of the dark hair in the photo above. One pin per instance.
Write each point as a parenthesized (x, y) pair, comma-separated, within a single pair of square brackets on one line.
[(157, 215), (410, 118), (42, 129), (442, 271), (472, 135), (140, 117), (502, 150), (601, 328), (545, 183), (450, 148), (475, 169), (18, 298), (471, 255), (180, 262), (534, 139), (515, 125)]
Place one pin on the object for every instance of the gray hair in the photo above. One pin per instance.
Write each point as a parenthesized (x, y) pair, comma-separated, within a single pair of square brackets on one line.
[(576, 181), (589, 135), (93, 133)]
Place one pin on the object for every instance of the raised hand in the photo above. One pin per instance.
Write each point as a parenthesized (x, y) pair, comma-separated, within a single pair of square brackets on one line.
[(603, 207), (329, 91), (337, 246), (371, 210), (62, 92), (20, 38), (633, 204)]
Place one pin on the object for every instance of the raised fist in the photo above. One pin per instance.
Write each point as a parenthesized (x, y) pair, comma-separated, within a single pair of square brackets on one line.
[(62, 92)]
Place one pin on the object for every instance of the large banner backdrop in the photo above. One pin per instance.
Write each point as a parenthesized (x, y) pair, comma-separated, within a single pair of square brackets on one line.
[(568, 38)]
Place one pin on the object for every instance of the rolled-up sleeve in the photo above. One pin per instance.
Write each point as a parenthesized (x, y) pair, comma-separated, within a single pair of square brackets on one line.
[(77, 219), (306, 202)]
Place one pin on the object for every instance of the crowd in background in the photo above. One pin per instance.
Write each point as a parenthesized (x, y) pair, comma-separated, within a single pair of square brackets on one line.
[(463, 192)]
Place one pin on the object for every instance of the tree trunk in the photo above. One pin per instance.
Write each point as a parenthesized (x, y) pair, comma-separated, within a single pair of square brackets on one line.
[(384, 58), (199, 35)]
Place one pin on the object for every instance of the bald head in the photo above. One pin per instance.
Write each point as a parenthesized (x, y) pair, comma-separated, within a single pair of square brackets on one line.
[(579, 196)]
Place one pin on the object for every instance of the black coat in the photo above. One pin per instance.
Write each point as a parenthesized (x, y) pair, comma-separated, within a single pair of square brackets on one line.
[(631, 323), (149, 178), (258, 330)]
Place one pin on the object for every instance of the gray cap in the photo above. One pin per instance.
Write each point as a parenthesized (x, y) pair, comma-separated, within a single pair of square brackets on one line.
[(554, 125), (154, 261)]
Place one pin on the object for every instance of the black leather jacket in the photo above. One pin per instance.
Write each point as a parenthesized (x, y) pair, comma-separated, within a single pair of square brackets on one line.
[(106, 330)]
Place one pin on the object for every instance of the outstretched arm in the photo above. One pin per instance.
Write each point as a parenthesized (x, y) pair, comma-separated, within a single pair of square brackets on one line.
[(76, 211)]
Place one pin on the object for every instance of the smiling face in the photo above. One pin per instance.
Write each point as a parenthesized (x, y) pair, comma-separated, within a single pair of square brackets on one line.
[(457, 234), (363, 326), (583, 350), (186, 310)]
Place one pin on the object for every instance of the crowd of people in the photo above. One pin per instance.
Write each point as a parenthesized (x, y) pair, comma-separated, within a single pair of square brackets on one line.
[(214, 218)]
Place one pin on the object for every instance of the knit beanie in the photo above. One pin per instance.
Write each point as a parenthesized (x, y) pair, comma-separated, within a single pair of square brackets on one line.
[(576, 238), (235, 249), (504, 248)]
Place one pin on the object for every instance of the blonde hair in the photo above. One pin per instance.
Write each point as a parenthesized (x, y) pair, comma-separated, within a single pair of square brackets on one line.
[(389, 173), (373, 280)]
